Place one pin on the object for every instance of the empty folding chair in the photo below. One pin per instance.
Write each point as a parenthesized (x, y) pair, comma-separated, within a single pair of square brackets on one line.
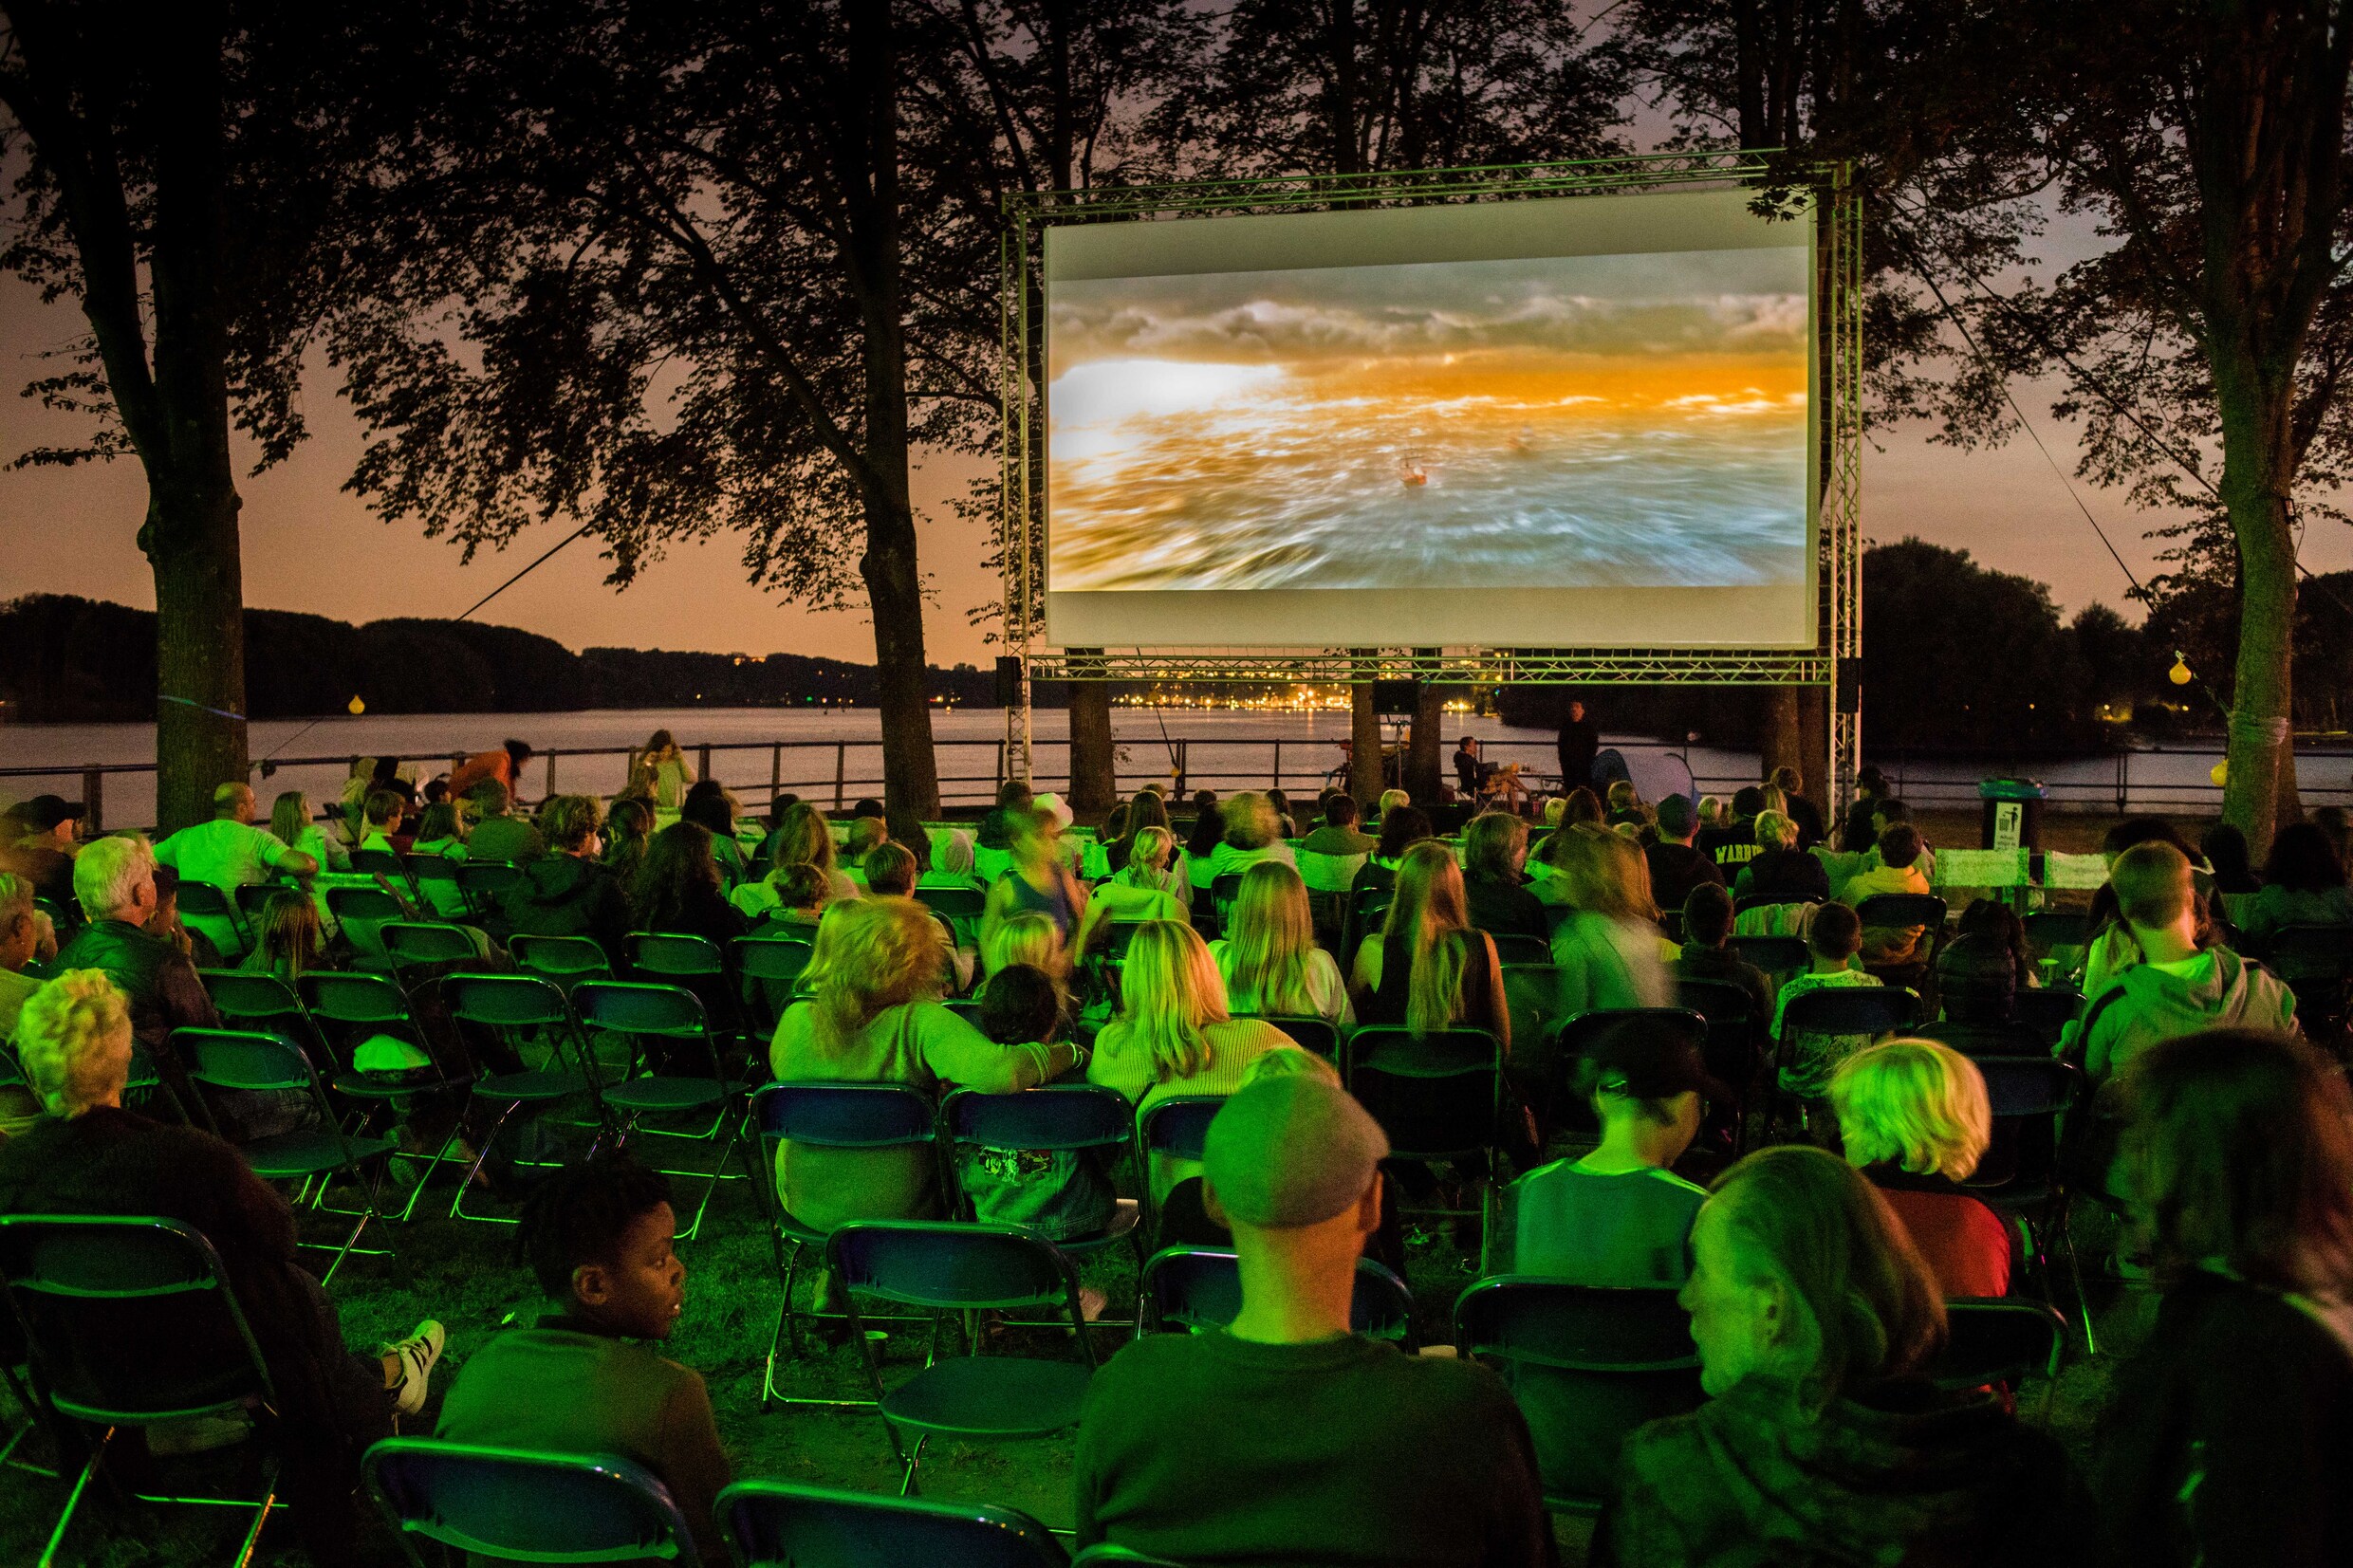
[(210, 909), (844, 1117), (434, 878), (129, 1322), (312, 1157), (536, 1507), (565, 960), (414, 947), (384, 863), (362, 913), (485, 882), (1587, 1365), (962, 1268), (2020, 1174), (695, 963), (960, 907), (1778, 956), (254, 999), (1171, 1133), (776, 1525), (251, 899), (1189, 1287), (1533, 995), (2046, 1011), (523, 1010), (686, 1076)]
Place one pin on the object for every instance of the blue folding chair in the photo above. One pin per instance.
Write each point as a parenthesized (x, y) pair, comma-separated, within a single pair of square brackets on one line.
[(523, 1506), (769, 971), (1195, 1288), (1440, 1098), (674, 1015), (1174, 1128), (776, 1525), (822, 1115), (312, 1157), (129, 1322), (1587, 1365), (1074, 1119), (964, 1268)]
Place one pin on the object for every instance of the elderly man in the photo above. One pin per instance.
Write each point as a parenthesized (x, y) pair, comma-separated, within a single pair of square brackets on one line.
[(37, 839), (1284, 1437), (115, 882), (229, 853), (20, 943), (88, 1155)]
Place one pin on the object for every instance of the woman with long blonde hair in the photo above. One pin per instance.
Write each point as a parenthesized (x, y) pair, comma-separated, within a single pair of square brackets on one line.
[(1427, 967), (874, 1016), (1269, 957), (804, 838), (1608, 946), (291, 822)]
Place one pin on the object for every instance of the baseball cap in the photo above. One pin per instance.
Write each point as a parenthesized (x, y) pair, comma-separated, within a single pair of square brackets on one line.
[(1650, 1060), (1290, 1150), (1049, 802), (44, 812)]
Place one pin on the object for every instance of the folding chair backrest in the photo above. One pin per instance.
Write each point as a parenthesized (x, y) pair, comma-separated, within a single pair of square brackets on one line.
[(1902, 909), (380, 862), (506, 1001), (507, 1503), (1533, 995), (1118, 935), (411, 943), (1223, 890), (955, 903), (1579, 1036), (1848, 1011), (1187, 1287), (212, 911), (970, 1267), (1064, 1117), (1998, 1342), (1778, 956), (1520, 947), (368, 908), (634, 1008), (561, 959), (1319, 1035), (484, 880), (1438, 1096), (128, 1317), (843, 1115), (2310, 952), (2026, 1095), (253, 899), (243, 1059), (250, 996), (1589, 1365), (2047, 1010), (1177, 1128), (1735, 1030), (674, 954), (776, 1525), (343, 998), (770, 969), (2049, 929)]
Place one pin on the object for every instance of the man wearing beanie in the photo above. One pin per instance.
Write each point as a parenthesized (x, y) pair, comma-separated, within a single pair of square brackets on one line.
[(1284, 1437)]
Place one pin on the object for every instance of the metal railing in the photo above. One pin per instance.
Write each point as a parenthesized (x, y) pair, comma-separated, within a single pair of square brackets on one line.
[(835, 773)]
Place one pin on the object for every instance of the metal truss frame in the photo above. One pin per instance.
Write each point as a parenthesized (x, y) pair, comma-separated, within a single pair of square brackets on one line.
[(1839, 574)]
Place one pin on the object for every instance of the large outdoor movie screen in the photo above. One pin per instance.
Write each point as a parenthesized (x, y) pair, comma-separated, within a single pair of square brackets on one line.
[(1570, 422)]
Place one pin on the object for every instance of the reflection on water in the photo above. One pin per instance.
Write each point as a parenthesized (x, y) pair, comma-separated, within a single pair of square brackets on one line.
[(1273, 488)]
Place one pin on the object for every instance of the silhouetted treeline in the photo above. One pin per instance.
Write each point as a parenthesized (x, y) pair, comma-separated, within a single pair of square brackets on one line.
[(65, 659)]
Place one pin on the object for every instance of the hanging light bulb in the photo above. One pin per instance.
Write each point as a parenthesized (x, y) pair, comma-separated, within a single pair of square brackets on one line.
[(2180, 673), (355, 707)]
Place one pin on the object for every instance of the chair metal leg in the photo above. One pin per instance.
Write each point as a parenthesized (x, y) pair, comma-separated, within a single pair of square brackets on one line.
[(481, 1156), (911, 1461), (261, 1514), (2075, 1271), (81, 1483), (424, 1177)]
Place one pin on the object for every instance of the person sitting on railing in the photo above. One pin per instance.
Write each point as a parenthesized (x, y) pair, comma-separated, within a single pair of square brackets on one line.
[(498, 833), (503, 768), (2304, 884), (570, 891), (88, 1155)]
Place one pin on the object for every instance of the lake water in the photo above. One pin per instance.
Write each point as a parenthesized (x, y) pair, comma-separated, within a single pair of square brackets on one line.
[(1220, 751)]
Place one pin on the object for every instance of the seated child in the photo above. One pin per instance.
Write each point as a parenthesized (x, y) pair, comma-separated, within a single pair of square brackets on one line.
[(588, 1378), (1832, 939), (1059, 1194)]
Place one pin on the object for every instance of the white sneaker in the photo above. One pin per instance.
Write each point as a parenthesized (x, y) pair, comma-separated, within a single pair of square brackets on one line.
[(418, 1353)]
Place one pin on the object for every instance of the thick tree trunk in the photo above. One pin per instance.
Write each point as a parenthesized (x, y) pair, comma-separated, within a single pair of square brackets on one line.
[(1779, 741), (894, 583), (1424, 747), (1364, 745), (1813, 730), (191, 538), (2259, 792), (1094, 774)]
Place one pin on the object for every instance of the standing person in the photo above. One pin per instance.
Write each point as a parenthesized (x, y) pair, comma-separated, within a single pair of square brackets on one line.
[(662, 771), (1284, 1437), (503, 768), (1428, 968), (1576, 745), (587, 1377), (2226, 1441), (1037, 878), (1822, 1443), (1269, 958), (37, 842), (1676, 865)]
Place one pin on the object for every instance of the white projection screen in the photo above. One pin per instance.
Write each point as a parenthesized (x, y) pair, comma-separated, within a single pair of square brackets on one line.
[(1582, 421)]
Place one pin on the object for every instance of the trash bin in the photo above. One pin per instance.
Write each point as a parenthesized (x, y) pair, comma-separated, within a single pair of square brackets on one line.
[(2013, 816)]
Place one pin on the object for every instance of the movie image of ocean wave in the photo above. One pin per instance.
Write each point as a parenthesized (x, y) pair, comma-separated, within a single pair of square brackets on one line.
[(1598, 421)]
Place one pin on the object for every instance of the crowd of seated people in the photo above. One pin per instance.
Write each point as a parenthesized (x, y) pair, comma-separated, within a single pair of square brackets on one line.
[(1813, 1277)]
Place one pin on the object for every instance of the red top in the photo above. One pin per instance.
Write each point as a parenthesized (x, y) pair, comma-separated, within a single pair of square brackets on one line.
[(1964, 1242)]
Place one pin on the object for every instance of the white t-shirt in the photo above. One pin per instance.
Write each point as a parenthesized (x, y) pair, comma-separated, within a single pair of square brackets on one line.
[(224, 853)]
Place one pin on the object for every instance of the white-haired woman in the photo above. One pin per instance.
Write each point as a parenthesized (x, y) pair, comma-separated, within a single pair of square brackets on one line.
[(1916, 1121), (88, 1155)]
